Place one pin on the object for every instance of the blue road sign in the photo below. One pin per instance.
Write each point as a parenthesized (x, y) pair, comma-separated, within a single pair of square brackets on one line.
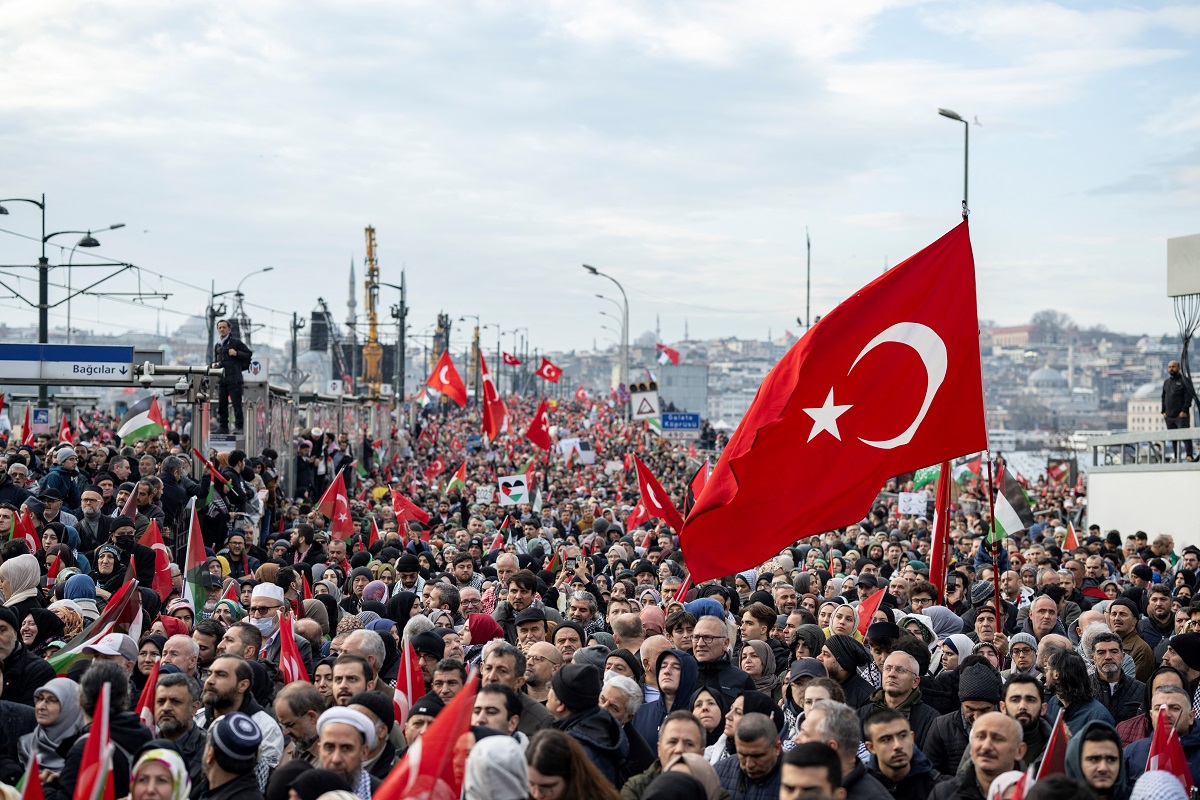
[(672, 421), (66, 363)]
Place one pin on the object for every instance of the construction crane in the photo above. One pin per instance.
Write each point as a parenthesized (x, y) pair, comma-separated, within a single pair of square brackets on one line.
[(372, 352)]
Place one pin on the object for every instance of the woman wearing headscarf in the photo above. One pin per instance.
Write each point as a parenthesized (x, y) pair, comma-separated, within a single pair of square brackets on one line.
[(359, 578), (149, 650), (479, 630), (59, 723), (653, 620), (227, 612), (81, 590), (159, 774), (19, 579), (758, 661), (375, 592), (105, 574), (807, 641), (402, 607), (315, 610), (71, 616), (391, 653), (496, 770), (39, 628), (710, 708)]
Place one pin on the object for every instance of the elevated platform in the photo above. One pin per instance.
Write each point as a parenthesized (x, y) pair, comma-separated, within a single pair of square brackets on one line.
[(1136, 482)]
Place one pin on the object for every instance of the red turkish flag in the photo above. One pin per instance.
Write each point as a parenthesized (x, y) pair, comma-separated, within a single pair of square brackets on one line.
[(655, 499), (431, 767), (867, 609), (538, 431), (548, 371), (637, 516), (446, 380), (1166, 751), (64, 431), (291, 665), (819, 439), (495, 415), (406, 509), (511, 360), (335, 506), (939, 552), (153, 539), (581, 395), (410, 682)]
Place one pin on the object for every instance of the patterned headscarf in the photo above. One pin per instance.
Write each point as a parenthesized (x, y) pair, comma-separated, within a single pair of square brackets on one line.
[(181, 784)]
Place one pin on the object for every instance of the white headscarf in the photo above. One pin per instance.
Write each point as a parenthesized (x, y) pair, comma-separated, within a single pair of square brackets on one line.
[(23, 574)]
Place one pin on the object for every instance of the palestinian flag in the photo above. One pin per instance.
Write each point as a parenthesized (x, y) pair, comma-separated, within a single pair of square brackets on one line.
[(144, 420), (1013, 513), (654, 424), (969, 471), (503, 537), (572, 459), (194, 564), (30, 784), (537, 503), (525, 469), (556, 563), (122, 613), (459, 479)]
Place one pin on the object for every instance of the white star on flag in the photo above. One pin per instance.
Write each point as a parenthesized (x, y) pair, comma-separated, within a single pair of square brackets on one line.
[(825, 418)]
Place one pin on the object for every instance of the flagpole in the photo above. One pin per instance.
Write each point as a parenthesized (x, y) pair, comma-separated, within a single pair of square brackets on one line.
[(1000, 620)]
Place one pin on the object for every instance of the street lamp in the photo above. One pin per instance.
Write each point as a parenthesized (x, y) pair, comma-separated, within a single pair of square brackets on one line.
[(43, 268), (948, 114), (624, 327), (400, 314), (87, 241)]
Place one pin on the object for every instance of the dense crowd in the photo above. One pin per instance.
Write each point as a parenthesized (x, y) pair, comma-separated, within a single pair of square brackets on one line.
[(595, 667)]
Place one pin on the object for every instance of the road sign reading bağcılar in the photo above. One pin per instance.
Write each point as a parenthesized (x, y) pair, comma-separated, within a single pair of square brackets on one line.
[(68, 363)]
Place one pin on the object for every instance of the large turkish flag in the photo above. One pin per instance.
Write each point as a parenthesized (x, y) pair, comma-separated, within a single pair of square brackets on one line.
[(887, 382), (446, 380)]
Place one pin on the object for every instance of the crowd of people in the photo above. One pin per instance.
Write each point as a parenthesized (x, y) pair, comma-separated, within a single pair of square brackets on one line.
[(598, 668)]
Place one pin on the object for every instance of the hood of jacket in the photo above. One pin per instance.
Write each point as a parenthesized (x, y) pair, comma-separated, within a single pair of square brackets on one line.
[(689, 676), (1074, 757), (597, 728)]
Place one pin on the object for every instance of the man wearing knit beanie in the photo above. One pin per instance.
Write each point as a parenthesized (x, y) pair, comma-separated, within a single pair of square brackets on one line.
[(230, 756), (1022, 647), (978, 693), (1183, 653), (842, 657), (573, 699)]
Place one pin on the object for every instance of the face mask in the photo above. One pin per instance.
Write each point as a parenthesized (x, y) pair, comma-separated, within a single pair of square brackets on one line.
[(265, 625), (125, 542)]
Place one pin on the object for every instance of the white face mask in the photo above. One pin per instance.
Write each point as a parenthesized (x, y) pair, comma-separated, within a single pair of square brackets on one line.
[(266, 625)]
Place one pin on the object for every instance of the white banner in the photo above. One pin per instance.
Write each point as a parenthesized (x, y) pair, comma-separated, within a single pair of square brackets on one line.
[(514, 489)]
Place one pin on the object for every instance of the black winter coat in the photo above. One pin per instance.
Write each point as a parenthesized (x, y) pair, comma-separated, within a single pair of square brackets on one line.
[(946, 743)]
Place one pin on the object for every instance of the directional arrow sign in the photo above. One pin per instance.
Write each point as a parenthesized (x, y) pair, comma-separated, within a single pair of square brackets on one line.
[(72, 364)]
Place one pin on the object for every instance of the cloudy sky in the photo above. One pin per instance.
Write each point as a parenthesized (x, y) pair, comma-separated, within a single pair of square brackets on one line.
[(683, 147)]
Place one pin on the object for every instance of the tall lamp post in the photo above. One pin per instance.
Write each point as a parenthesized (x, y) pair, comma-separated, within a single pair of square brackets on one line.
[(948, 114), (43, 268), (87, 241), (400, 314), (624, 328)]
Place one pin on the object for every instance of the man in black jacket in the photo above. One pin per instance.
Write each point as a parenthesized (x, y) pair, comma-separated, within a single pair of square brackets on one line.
[(231, 356), (903, 771), (709, 643), (23, 673), (230, 759), (1115, 690), (1178, 394)]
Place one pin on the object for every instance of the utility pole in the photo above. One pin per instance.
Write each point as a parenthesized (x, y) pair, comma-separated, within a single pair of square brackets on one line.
[(295, 379), (808, 282)]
